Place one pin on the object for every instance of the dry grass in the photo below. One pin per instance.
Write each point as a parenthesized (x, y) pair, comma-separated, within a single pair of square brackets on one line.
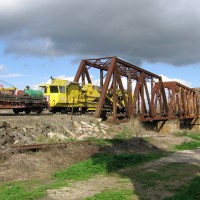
[(128, 130), (136, 127)]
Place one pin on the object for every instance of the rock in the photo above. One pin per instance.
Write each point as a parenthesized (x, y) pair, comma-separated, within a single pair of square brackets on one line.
[(103, 131), (82, 137), (46, 126), (104, 126), (56, 135), (86, 125), (76, 124), (3, 142), (22, 142), (24, 129), (30, 127), (96, 129), (69, 132), (38, 131), (80, 129), (13, 134), (9, 139), (92, 124), (5, 124), (89, 133), (16, 141)]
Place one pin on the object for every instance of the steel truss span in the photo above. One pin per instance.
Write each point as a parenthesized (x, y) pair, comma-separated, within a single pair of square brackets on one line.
[(138, 92)]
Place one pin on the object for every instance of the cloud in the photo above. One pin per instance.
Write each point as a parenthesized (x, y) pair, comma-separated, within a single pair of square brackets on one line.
[(135, 30), (10, 75), (63, 77), (184, 82), (2, 67)]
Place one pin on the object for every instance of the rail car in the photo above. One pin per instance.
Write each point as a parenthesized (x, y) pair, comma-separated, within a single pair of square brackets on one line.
[(22, 101), (67, 96)]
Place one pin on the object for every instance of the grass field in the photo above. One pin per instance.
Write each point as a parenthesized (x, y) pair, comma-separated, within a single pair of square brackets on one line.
[(189, 145), (149, 178), (98, 164)]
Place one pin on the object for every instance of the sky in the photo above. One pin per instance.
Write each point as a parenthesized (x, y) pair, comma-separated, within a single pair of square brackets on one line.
[(39, 39)]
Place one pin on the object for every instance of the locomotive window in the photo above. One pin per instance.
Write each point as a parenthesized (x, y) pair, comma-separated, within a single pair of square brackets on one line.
[(62, 89), (53, 89), (43, 89)]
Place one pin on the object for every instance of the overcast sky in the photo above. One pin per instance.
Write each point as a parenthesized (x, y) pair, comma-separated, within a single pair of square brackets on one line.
[(35, 34)]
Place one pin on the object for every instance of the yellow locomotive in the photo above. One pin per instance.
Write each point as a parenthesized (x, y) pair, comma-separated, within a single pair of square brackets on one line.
[(64, 96)]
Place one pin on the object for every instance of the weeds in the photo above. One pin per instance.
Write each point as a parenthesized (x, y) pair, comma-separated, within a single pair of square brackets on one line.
[(181, 133), (165, 173), (104, 163), (99, 141), (42, 139), (189, 145), (126, 131), (190, 134), (123, 194), (98, 164), (168, 178), (18, 191), (28, 190), (188, 192)]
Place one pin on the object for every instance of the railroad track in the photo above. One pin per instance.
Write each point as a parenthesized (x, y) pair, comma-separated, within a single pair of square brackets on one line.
[(34, 147), (23, 114)]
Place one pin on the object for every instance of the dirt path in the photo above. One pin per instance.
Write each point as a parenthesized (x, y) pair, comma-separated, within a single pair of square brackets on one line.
[(39, 165), (81, 190), (187, 156), (84, 189)]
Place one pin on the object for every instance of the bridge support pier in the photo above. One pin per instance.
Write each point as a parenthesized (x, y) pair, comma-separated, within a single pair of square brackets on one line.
[(194, 124), (169, 126)]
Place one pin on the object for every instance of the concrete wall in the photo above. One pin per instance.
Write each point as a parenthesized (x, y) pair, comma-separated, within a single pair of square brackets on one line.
[(169, 126), (194, 124)]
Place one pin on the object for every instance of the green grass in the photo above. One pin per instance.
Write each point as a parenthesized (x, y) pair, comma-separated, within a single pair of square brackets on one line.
[(123, 194), (16, 191), (104, 163), (194, 136), (191, 134), (28, 190), (188, 145), (162, 174), (188, 192), (99, 141), (166, 174), (98, 164), (168, 178), (106, 142), (128, 131), (181, 133)]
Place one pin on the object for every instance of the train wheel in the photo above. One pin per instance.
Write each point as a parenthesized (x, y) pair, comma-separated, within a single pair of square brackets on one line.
[(39, 111), (16, 111), (27, 111)]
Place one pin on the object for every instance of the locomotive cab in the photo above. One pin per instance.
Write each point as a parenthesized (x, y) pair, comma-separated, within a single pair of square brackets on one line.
[(61, 94)]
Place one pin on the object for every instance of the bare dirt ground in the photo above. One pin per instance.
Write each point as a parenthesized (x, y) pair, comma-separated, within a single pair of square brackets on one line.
[(41, 164), (38, 165), (84, 189)]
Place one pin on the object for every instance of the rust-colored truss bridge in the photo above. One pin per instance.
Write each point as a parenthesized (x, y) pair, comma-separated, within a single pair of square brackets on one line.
[(144, 94)]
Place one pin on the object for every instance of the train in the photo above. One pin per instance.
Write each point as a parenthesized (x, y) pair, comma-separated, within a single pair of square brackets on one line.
[(27, 100), (57, 96), (66, 96)]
